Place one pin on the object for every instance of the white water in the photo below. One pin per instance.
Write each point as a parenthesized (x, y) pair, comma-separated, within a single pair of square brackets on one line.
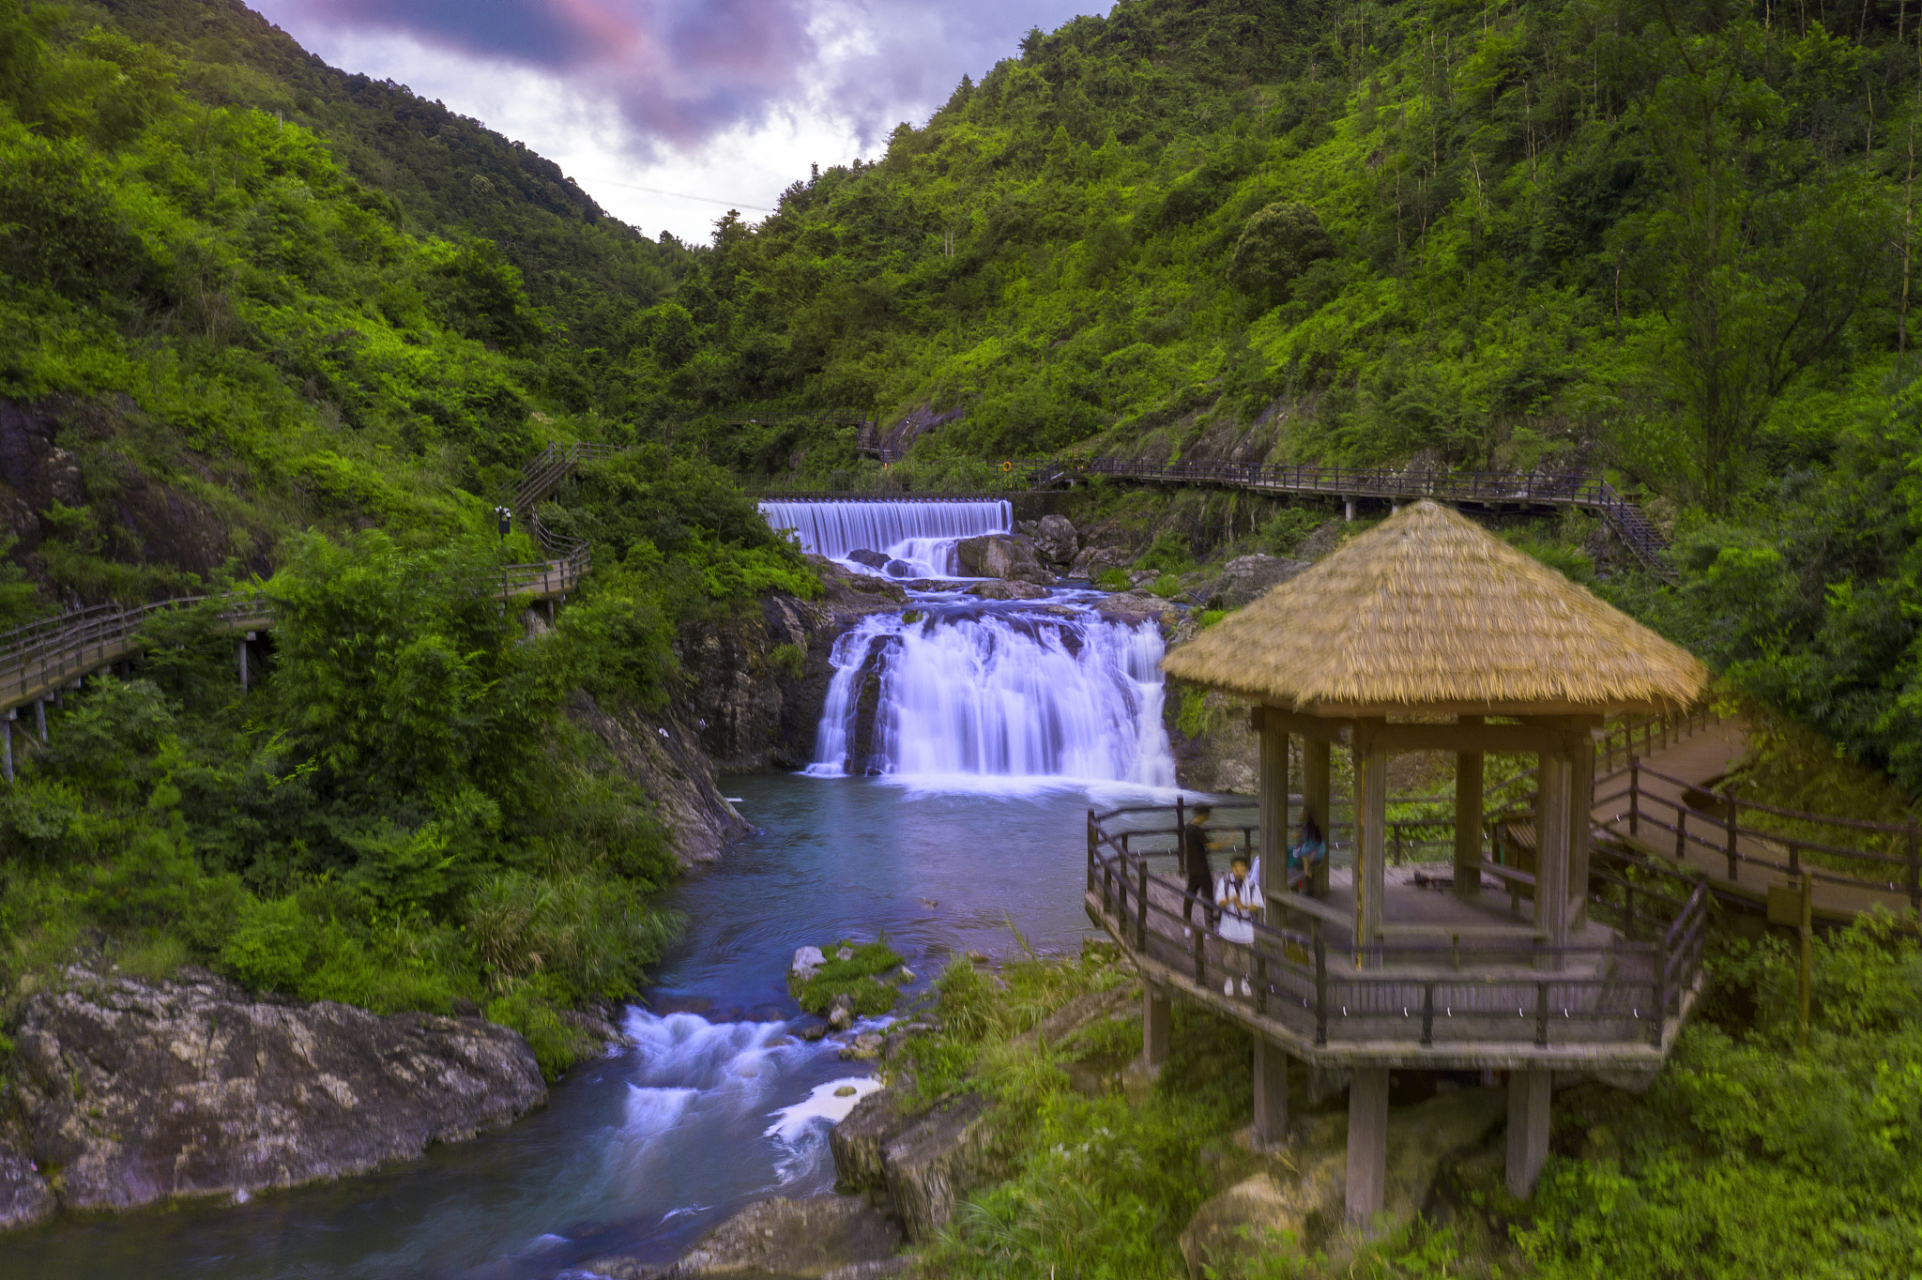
[(919, 534), (1007, 694)]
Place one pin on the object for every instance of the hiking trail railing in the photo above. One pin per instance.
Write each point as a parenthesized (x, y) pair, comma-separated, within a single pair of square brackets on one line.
[(44, 656)]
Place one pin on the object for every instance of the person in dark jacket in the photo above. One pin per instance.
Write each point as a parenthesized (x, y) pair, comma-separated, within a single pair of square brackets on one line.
[(1194, 863)]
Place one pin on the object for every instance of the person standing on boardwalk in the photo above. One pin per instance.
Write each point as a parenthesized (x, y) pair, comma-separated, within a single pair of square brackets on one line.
[(1201, 878), (1238, 899)]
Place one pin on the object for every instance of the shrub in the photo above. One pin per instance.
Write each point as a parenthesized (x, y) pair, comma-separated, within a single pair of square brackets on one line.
[(533, 1008), (1113, 580)]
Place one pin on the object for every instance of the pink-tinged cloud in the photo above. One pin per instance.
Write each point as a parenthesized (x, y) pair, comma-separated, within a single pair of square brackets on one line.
[(681, 72)]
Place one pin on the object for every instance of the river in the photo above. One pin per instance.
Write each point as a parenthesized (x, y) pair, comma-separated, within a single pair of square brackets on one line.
[(996, 727)]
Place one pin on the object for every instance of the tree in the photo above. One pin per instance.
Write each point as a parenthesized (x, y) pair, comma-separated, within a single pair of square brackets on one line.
[(1275, 247)]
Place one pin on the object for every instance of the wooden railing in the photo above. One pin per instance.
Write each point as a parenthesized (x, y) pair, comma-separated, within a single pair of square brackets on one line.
[(1329, 987), (1634, 736), (1884, 856)]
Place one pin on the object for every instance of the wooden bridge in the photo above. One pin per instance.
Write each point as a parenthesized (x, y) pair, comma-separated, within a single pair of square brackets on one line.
[(1484, 490), (41, 658)]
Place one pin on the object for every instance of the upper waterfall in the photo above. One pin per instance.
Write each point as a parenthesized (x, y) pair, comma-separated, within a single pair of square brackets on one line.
[(921, 533)]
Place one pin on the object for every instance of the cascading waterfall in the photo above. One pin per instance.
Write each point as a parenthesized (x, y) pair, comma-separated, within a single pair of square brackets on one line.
[(997, 694), (921, 535)]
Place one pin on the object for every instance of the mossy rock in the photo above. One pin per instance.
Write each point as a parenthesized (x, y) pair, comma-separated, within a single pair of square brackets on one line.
[(859, 977)]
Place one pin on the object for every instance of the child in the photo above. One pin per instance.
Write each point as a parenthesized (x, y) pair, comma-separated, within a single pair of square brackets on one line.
[(1238, 898)]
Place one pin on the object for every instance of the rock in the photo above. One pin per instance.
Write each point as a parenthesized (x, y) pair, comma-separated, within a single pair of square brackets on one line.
[(670, 765), (898, 569), (907, 974), (820, 1238), (926, 1162), (1001, 555), (841, 1012), (1308, 1204), (978, 957), (807, 961), (1140, 577), (812, 1029), (1090, 562), (1055, 541), (933, 1163), (1013, 590), (146, 1091), (866, 1045), (859, 1139), (1245, 579), (851, 594), (845, 953), (872, 559), (25, 1197)]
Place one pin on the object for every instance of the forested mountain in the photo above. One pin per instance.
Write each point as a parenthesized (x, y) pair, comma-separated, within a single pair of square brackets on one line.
[(1667, 239)]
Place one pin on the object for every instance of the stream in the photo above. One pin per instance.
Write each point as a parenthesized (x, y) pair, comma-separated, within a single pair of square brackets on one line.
[(957, 757)]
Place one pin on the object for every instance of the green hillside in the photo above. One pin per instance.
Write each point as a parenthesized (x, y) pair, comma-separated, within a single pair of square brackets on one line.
[(1668, 241)]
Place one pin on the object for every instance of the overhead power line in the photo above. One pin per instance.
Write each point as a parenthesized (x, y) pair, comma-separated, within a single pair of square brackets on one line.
[(678, 195)]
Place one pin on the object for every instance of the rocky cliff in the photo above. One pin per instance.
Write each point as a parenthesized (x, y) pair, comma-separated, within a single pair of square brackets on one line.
[(127, 1092)]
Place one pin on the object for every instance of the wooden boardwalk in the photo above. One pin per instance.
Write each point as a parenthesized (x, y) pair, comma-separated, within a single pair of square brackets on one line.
[(1678, 780)]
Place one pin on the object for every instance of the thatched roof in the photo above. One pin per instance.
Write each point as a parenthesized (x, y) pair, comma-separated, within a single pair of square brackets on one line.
[(1429, 612)]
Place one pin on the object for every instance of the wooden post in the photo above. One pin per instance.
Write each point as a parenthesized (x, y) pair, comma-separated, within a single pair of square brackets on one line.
[(1807, 931), (1371, 809), (1273, 853), (1271, 1093), (1551, 844), (1468, 819), (1529, 1095), (1314, 802), (1157, 1019), (1634, 795), (1581, 805), (1367, 1142), (1734, 873)]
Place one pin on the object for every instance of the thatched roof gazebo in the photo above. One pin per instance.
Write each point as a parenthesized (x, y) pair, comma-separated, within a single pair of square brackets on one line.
[(1428, 633)]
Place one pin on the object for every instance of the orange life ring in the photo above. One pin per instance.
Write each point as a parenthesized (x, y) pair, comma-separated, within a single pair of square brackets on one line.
[(1007, 466)]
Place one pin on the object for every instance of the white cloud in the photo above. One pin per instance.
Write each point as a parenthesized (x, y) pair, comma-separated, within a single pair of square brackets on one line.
[(874, 63)]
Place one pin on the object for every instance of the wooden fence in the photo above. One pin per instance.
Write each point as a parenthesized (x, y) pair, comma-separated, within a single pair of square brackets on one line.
[(1518, 990)]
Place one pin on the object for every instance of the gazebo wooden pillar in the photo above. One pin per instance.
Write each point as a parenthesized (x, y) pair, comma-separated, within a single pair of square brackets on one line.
[(1428, 634)]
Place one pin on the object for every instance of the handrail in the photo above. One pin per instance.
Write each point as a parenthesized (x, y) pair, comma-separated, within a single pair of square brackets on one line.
[(1723, 835), (41, 656), (1515, 988), (1561, 489)]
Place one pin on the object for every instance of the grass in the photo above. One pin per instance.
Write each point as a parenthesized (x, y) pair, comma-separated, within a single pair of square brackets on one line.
[(858, 976)]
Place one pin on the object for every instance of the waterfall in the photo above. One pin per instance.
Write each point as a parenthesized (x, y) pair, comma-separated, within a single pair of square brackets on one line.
[(997, 694), (919, 534)]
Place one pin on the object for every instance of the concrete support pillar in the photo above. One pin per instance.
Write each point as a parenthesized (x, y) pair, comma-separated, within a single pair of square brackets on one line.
[(6, 747), (1271, 1093), (1468, 819), (40, 719), (1273, 789), (1157, 1025), (240, 657), (1371, 810), (1351, 510), (1367, 1142), (1551, 847), (1314, 801), (1529, 1094)]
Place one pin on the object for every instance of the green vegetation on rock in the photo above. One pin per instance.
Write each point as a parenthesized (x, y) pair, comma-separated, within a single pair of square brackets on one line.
[(860, 977)]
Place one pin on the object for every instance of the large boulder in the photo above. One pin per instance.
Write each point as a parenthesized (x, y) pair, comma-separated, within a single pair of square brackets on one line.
[(1246, 579), (927, 1162), (138, 1092), (1091, 561), (1001, 555), (872, 559), (1302, 1198), (1055, 541)]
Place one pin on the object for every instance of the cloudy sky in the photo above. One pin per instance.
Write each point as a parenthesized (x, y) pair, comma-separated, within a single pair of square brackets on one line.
[(669, 111)]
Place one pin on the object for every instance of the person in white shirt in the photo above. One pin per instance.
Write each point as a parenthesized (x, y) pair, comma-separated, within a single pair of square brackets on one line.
[(1238, 899)]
